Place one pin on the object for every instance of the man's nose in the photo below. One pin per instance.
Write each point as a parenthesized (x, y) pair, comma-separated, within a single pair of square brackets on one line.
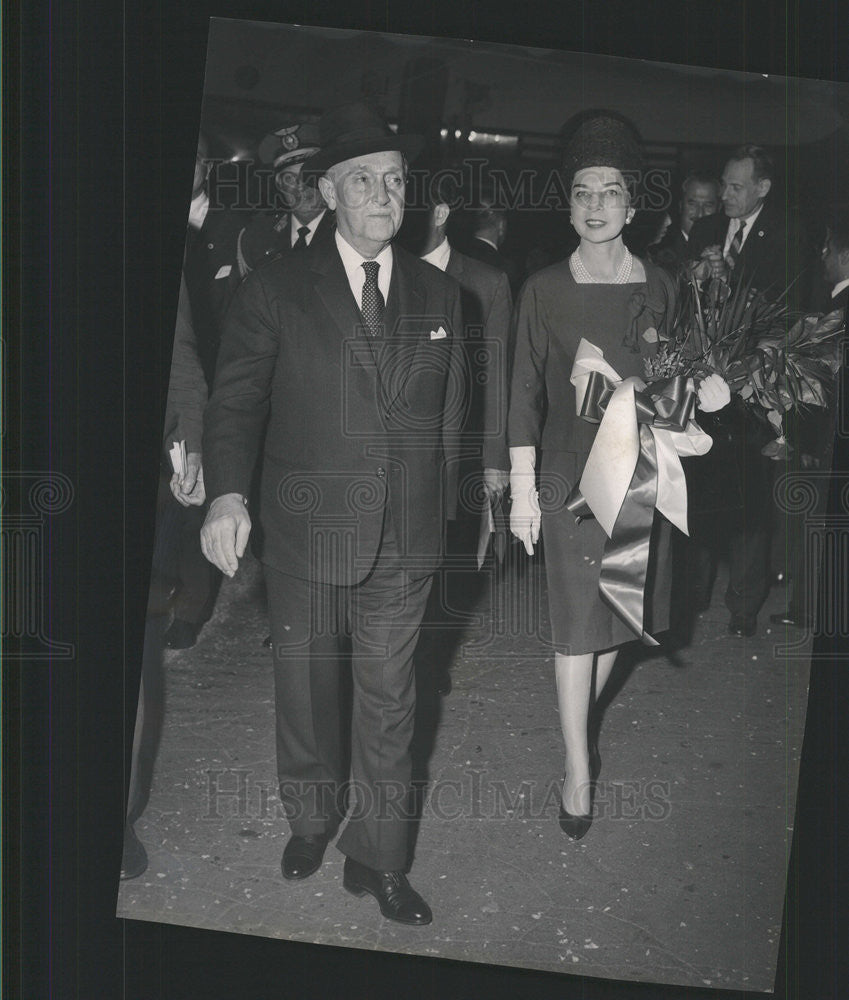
[(381, 192)]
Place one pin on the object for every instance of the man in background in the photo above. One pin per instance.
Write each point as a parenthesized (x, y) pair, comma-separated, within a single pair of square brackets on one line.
[(699, 197), (303, 216), (487, 307)]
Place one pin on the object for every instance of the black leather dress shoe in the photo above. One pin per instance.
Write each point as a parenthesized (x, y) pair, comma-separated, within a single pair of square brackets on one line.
[(792, 619), (397, 899), (742, 626), (266, 642), (302, 856), (134, 856), (181, 635)]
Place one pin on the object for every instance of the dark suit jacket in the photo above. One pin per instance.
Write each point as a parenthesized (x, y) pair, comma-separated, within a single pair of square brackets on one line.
[(187, 389), (351, 421), (267, 236), (479, 249), (487, 308), (671, 252), (770, 260), (212, 277)]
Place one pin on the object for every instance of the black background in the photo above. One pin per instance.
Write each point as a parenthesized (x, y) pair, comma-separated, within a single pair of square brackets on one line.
[(102, 104)]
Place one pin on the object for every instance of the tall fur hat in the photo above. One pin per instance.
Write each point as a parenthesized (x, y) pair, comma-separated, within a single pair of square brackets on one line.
[(602, 139)]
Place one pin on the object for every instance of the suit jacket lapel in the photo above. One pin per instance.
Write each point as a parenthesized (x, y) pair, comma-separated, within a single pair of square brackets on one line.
[(455, 264), (334, 292), (406, 300)]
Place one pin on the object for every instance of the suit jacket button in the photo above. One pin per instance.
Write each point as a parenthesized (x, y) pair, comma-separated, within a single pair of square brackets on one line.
[(381, 471)]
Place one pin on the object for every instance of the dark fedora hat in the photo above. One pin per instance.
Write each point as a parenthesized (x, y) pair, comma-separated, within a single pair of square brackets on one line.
[(355, 130)]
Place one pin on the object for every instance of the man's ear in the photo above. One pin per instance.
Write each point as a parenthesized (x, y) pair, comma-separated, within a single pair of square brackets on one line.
[(325, 186), (764, 184), (440, 214)]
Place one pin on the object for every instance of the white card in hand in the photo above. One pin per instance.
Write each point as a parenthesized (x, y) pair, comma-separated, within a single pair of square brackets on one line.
[(178, 458)]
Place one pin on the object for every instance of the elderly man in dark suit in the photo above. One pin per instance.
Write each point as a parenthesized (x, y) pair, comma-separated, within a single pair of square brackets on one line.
[(347, 355), (487, 307)]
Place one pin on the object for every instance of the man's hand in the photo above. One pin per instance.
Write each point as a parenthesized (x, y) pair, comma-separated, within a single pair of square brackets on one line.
[(713, 393), (716, 262), (225, 532), (189, 491), (495, 482), (711, 265)]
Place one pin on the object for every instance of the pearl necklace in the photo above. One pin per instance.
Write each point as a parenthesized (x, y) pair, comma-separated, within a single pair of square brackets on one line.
[(583, 276)]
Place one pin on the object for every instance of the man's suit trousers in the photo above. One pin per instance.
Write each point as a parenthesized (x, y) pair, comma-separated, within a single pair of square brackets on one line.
[(313, 626)]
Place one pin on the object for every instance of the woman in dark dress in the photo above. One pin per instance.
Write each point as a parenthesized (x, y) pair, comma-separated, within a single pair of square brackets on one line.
[(621, 305)]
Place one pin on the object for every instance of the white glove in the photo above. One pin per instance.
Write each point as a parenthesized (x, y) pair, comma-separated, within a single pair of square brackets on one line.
[(713, 393), (524, 509)]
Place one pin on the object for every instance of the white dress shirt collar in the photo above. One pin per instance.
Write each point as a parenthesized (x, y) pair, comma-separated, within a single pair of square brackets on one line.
[(735, 224), (352, 260), (838, 288), (294, 226), (440, 255), (483, 239), (198, 209)]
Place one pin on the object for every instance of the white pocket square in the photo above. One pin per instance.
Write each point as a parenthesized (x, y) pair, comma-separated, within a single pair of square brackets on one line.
[(438, 334), (223, 271)]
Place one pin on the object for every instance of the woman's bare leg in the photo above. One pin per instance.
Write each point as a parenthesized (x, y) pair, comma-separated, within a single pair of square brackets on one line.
[(573, 675)]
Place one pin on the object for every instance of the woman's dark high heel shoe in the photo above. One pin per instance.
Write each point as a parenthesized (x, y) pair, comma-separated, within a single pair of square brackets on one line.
[(574, 827), (578, 826)]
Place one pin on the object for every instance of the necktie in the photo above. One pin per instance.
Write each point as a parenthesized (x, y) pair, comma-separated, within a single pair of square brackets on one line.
[(373, 304), (736, 245), (301, 242)]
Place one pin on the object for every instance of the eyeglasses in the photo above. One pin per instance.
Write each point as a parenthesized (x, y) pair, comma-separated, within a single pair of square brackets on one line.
[(608, 198)]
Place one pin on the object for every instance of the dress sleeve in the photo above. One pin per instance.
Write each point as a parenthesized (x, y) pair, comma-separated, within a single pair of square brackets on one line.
[(527, 390)]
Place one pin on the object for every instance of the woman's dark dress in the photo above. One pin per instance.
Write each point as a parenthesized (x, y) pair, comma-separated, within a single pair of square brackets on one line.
[(553, 313)]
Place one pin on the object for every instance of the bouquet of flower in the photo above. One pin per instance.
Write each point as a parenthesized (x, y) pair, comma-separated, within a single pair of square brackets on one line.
[(773, 360)]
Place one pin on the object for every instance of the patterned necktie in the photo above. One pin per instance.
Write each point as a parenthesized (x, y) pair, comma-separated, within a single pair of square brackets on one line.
[(301, 242), (373, 303), (736, 245)]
